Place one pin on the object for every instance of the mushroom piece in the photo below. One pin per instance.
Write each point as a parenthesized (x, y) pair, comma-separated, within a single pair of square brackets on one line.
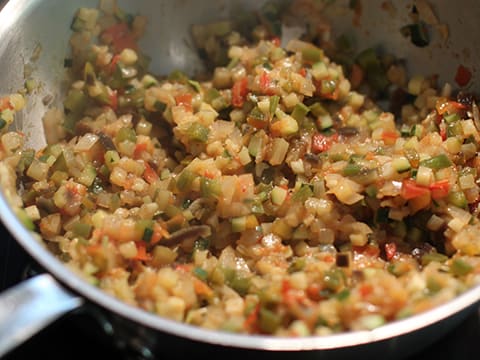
[(191, 233)]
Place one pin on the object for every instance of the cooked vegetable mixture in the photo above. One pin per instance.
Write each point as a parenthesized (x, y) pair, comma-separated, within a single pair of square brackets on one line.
[(272, 197)]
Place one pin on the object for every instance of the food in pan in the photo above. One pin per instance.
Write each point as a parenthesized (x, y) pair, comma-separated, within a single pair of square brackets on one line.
[(271, 195)]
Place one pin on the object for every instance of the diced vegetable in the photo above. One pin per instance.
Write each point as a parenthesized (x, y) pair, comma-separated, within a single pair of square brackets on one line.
[(433, 256), (126, 134), (278, 195), (239, 92), (458, 199), (285, 126), (460, 268), (210, 187), (299, 112), (401, 164), (198, 132), (437, 162), (322, 143), (185, 179), (463, 75), (410, 190), (279, 151)]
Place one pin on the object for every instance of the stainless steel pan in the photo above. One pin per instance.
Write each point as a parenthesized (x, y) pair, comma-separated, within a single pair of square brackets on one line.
[(31, 26)]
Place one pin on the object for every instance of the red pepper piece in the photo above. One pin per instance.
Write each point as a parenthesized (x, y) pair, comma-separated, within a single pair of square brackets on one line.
[(411, 190), (463, 75), (239, 92), (321, 143)]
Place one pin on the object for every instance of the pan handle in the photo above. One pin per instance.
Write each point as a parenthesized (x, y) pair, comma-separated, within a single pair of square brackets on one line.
[(29, 307)]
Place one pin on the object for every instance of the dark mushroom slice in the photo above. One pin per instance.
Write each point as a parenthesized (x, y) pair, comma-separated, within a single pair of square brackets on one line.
[(200, 207), (106, 141), (348, 131), (191, 233)]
